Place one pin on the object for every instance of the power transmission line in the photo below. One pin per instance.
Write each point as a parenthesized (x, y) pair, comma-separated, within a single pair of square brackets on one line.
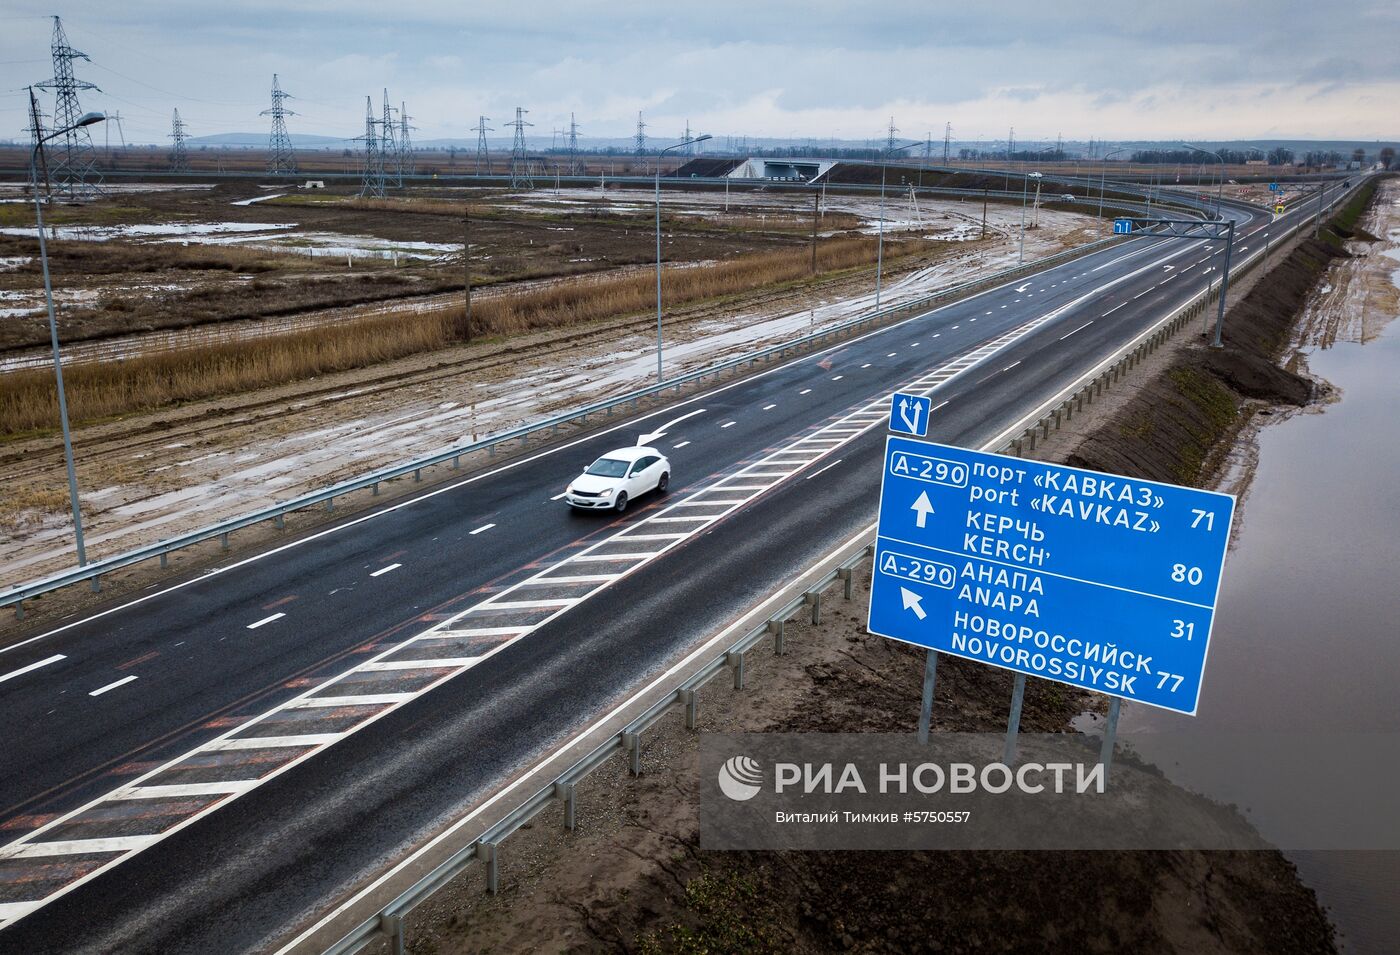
[(519, 158), (408, 163), (372, 180), (575, 167), (283, 160), (483, 155), (388, 150), (179, 158), (75, 172)]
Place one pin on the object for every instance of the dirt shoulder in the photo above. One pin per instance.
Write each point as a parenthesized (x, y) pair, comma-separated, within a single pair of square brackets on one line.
[(632, 877)]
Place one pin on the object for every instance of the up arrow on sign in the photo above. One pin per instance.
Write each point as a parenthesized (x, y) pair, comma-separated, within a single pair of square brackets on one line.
[(922, 508)]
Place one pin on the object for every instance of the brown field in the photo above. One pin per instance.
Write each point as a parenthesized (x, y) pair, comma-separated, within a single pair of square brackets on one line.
[(99, 390)]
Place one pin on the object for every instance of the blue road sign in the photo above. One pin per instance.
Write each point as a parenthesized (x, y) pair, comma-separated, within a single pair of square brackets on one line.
[(1273, 187), (1103, 582), (1122, 226), (909, 414)]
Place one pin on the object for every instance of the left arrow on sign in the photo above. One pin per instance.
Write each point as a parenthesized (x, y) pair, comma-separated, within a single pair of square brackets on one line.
[(922, 508), (911, 602)]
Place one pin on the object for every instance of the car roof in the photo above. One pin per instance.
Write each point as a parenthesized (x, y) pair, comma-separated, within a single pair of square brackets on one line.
[(630, 454)]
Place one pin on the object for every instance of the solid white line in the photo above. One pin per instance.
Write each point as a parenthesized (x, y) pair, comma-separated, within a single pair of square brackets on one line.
[(828, 467), (483, 527), (677, 447), (33, 666), (112, 686), (527, 604), (729, 424), (10, 911), (225, 787), (73, 847), (352, 699), (273, 742), (384, 570), (453, 632), (1079, 329), (385, 666), (266, 620)]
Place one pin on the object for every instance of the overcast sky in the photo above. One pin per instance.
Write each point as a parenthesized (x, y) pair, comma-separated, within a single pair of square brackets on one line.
[(1193, 69)]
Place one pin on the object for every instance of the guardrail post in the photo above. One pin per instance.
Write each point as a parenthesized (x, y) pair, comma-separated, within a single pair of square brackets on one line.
[(488, 851), (632, 742), (846, 575), (374, 489), (164, 560), (417, 474), (736, 660), (567, 793), (223, 541), (1030, 438), (457, 458), (775, 627), (330, 503), (280, 521), (19, 609), (392, 927), (692, 708), (814, 597)]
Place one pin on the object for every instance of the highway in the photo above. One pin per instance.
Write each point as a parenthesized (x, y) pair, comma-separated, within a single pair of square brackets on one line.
[(204, 768)]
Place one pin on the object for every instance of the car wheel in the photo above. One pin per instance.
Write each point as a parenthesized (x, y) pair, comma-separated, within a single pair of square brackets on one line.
[(661, 484), (621, 504)]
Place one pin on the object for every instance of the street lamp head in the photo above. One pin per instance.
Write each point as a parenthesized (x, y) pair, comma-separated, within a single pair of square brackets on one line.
[(87, 119), (702, 137)]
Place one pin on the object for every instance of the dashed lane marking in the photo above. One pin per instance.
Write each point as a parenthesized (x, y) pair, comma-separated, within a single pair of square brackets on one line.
[(265, 621), (1079, 329), (827, 468), (482, 528), (772, 406), (729, 424), (33, 666), (677, 447), (112, 686), (805, 391), (560, 496), (384, 570)]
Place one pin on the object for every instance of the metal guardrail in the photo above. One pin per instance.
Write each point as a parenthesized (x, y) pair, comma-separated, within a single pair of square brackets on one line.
[(93, 572), (388, 922)]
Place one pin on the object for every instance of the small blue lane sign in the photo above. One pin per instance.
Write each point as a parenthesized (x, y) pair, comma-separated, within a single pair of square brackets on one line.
[(1273, 187), (1122, 226), (909, 414), (1099, 581)]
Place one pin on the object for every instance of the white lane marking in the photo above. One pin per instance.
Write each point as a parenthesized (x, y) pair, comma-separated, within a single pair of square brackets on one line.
[(73, 847), (1168, 278), (453, 632), (892, 354), (33, 666), (265, 620), (273, 742), (352, 699), (483, 527), (112, 686), (838, 377), (662, 431), (772, 406), (559, 496), (939, 405), (649, 537), (538, 582), (866, 365), (989, 313), (827, 468), (390, 666), (729, 424), (384, 570), (805, 391), (223, 787), (1142, 293), (677, 447), (1011, 366), (530, 604), (916, 344), (1079, 329), (713, 503), (1003, 306), (1113, 309)]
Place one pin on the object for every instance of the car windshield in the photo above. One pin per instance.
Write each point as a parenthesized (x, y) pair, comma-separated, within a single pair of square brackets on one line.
[(607, 467)]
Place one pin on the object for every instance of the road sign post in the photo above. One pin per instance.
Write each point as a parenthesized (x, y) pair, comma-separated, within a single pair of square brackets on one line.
[(1102, 582)]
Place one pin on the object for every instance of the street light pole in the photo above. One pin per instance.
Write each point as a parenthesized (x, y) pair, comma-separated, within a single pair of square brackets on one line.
[(86, 120), (1103, 172), (1025, 187), (880, 240), (688, 142)]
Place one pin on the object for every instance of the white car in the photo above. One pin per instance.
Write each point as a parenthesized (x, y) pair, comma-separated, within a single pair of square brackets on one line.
[(618, 477)]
